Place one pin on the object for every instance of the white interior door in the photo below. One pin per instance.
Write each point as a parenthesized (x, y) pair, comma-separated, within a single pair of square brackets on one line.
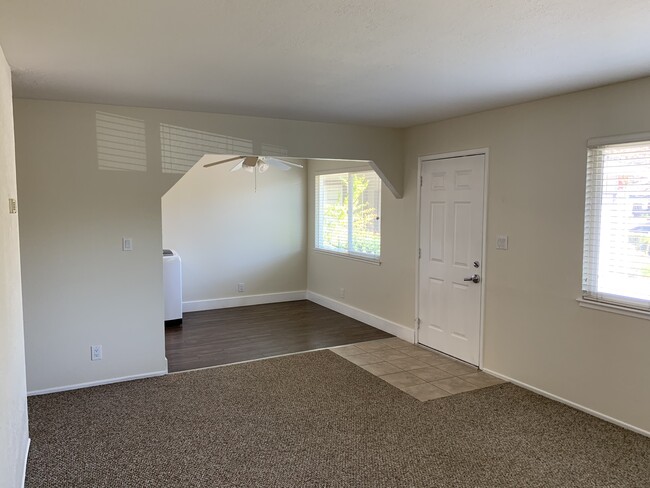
[(451, 246)]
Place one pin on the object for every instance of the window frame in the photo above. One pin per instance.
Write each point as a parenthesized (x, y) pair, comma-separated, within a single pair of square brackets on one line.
[(593, 299), (367, 258)]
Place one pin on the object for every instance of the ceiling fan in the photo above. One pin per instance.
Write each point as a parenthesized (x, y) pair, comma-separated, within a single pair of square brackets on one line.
[(261, 163)]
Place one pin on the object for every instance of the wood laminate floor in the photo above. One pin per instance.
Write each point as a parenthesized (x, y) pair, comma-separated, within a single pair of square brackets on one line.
[(230, 335)]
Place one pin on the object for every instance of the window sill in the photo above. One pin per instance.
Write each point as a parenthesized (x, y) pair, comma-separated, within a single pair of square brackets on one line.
[(618, 309), (375, 261)]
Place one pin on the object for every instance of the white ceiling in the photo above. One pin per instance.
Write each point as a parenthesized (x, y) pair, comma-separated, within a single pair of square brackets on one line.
[(378, 62)]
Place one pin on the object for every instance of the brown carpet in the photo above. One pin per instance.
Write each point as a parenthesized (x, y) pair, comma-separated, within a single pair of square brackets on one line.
[(316, 419)]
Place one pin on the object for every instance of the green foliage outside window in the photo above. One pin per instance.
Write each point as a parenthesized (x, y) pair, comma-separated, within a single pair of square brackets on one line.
[(366, 236)]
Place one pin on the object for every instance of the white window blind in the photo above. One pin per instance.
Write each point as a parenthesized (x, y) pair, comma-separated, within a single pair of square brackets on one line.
[(616, 258), (348, 207)]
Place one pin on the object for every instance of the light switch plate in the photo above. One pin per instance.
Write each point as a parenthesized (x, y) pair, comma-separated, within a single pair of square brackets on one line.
[(127, 244), (95, 353), (502, 243)]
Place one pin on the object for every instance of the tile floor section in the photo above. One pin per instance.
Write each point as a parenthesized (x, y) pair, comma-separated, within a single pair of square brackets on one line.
[(422, 373)]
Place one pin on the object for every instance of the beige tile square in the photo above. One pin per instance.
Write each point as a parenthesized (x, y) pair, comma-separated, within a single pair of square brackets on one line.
[(390, 354), (408, 363), (379, 369), (346, 351), (435, 361), (402, 379), (409, 350), (482, 379), (396, 342), (425, 391), (372, 346), (424, 353), (457, 368), (363, 359), (419, 351), (430, 373), (454, 385)]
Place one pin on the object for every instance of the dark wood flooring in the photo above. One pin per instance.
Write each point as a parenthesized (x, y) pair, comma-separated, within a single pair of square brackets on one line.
[(229, 335)]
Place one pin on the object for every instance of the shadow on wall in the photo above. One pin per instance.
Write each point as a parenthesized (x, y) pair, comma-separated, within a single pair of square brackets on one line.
[(225, 231), (181, 147), (228, 227), (122, 145)]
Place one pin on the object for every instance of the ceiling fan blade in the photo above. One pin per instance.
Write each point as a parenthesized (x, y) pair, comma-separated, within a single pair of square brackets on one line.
[(278, 164), (238, 166), (222, 161), (281, 163)]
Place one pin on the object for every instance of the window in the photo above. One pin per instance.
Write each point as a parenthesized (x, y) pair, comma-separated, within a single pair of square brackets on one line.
[(616, 258), (348, 207)]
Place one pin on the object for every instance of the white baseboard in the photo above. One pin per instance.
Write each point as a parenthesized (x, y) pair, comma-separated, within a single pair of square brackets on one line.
[(577, 406), (215, 303), (398, 330), (29, 442), (380, 323), (96, 383)]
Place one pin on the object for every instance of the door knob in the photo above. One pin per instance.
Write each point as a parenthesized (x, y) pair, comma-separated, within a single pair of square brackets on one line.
[(474, 278)]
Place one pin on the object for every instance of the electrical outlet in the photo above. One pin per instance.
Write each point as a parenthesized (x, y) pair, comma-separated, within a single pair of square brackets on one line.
[(240, 287), (342, 293), (95, 353)]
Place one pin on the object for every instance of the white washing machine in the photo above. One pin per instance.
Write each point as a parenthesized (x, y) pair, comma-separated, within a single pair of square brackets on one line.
[(173, 287)]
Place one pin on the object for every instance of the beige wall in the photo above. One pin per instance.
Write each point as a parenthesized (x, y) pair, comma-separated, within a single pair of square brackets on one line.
[(13, 404), (80, 289), (228, 233), (535, 332), (385, 290)]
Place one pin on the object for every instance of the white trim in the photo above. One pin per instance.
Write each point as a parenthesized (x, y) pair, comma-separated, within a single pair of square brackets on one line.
[(611, 308), (577, 406), (418, 216), (369, 258), (401, 331), (486, 178), (485, 152), (621, 139), (355, 257), (355, 166), (29, 442), (107, 381), (229, 302)]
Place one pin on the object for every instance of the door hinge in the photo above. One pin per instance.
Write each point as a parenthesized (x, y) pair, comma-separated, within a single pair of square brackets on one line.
[(420, 253), (419, 322), (420, 180)]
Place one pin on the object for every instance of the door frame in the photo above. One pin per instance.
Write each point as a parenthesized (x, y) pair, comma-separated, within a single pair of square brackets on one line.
[(434, 157)]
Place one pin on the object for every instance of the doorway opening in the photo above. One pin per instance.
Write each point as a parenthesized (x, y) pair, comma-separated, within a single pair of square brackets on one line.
[(243, 233)]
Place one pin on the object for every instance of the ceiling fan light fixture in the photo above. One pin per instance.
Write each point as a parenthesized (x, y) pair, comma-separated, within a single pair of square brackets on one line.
[(262, 163)]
